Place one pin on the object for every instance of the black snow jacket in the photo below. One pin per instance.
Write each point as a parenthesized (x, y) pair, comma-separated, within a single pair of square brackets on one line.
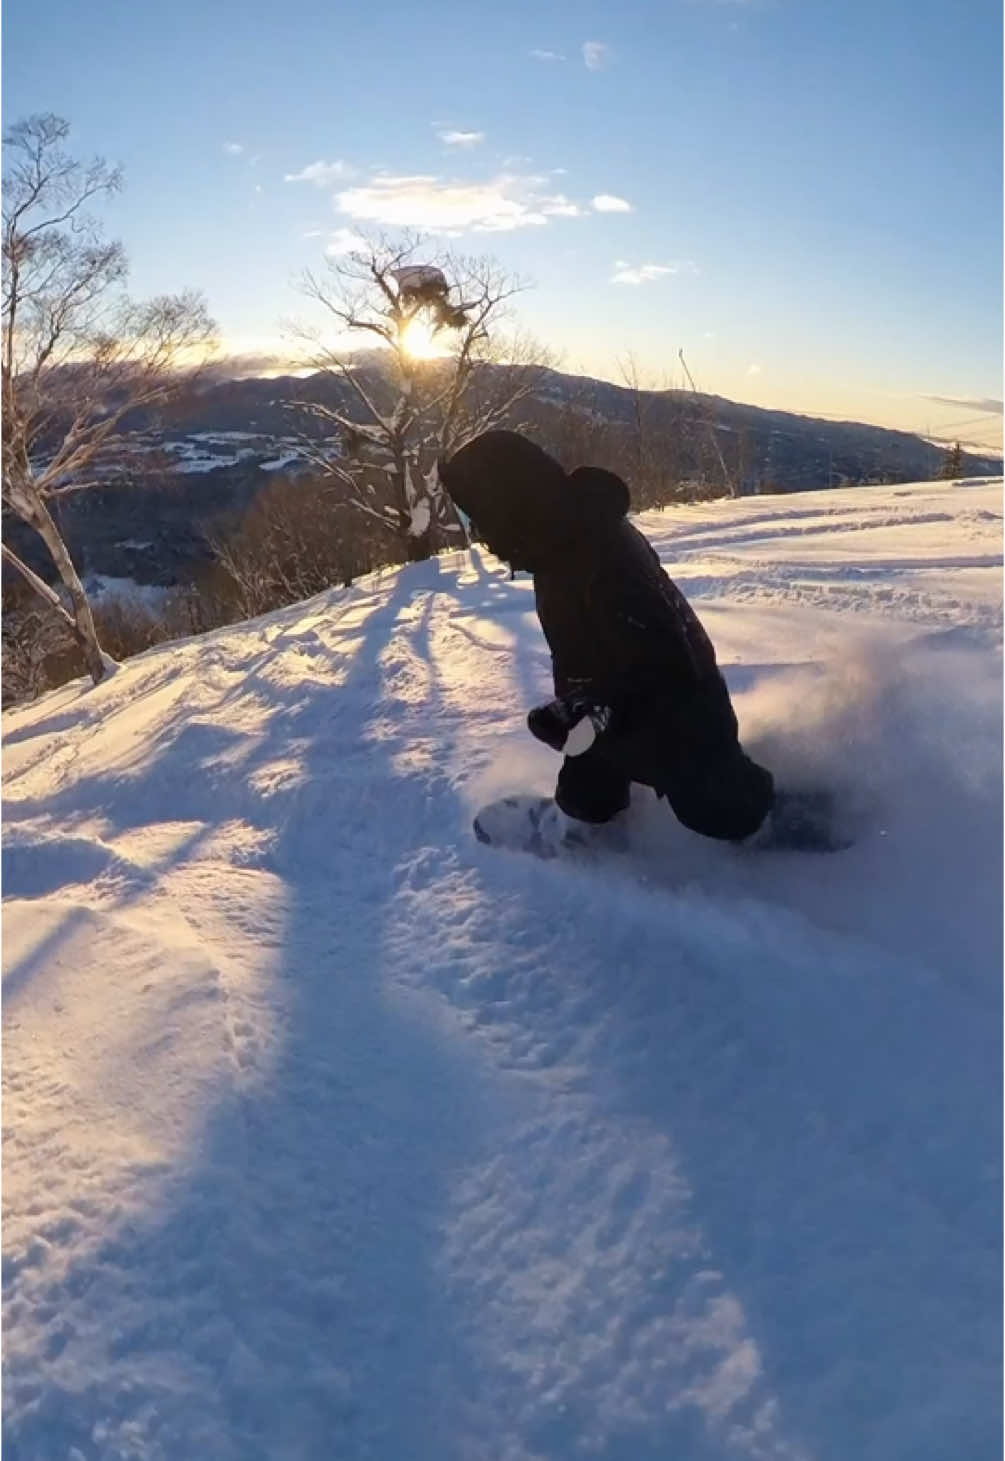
[(618, 628), (614, 621), (623, 638)]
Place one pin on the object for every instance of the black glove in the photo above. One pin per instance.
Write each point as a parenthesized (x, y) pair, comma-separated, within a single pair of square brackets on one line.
[(553, 723)]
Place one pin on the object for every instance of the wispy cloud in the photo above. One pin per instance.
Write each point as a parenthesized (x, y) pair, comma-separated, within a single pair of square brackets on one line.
[(982, 403), (497, 205), (239, 364), (753, 368), (608, 203), (596, 55), (561, 207), (625, 273), (461, 139), (321, 174), (234, 148), (343, 241), (547, 55)]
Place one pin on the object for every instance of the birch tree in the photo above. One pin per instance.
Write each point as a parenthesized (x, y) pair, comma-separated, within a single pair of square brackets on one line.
[(442, 373), (78, 356)]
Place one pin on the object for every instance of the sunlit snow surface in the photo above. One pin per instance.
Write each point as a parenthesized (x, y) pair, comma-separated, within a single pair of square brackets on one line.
[(331, 1133)]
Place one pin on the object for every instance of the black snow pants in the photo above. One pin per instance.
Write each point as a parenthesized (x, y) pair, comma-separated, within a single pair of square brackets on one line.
[(688, 751)]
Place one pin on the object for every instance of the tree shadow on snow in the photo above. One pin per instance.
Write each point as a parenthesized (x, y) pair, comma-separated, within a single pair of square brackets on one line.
[(282, 1298), (822, 1099)]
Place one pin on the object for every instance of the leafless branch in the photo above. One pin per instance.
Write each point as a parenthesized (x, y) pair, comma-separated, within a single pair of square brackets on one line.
[(77, 355), (397, 412)]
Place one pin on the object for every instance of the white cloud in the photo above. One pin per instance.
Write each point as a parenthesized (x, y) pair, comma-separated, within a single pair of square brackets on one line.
[(983, 403), (561, 207), (608, 203), (343, 241), (596, 55), (753, 369), (547, 55), (462, 139), (497, 205), (321, 174), (625, 273), (234, 148)]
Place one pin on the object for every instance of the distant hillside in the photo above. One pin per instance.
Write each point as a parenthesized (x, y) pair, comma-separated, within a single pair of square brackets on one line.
[(789, 451), (777, 451), (212, 452)]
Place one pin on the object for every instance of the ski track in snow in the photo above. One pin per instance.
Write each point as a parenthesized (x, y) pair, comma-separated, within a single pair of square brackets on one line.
[(329, 1132)]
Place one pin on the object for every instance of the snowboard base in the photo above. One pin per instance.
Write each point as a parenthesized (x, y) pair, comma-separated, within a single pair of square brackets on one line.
[(536, 825), (800, 821)]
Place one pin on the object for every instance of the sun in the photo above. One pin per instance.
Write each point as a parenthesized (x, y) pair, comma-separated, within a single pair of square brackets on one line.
[(418, 339)]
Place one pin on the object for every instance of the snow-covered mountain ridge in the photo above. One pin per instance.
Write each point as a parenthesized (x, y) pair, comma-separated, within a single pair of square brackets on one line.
[(330, 1132)]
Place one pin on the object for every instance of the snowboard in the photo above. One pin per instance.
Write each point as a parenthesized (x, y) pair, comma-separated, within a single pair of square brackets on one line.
[(534, 824), (800, 821)]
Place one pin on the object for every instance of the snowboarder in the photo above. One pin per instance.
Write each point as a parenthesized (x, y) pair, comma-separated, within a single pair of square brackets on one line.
[(639, 696)]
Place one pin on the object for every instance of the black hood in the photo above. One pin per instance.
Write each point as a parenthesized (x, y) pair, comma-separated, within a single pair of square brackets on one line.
[(525, 507)]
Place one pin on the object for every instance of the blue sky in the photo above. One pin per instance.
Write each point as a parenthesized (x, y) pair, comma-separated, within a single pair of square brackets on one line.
[(804, 196)]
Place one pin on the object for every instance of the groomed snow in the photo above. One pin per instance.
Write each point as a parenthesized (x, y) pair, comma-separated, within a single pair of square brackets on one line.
[(331, 1133)]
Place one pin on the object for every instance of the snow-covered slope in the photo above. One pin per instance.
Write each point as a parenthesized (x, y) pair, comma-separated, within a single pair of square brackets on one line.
[(330, 1133)]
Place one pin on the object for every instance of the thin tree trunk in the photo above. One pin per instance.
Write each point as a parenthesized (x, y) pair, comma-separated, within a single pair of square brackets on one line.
[(40, 586), (83, 620)]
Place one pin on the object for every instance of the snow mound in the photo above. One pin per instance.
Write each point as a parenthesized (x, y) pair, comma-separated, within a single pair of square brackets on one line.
[(331, 1132)]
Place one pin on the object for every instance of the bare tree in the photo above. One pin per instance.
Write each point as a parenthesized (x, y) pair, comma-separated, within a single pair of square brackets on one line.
[(436, 381), (291, 544), (77, 354), (578, 430), (659, 437), (707, 408), (33, 633)]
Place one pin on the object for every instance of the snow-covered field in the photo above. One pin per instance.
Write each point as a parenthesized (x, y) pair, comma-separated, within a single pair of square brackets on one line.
[(207, 451), (330, 1133)]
